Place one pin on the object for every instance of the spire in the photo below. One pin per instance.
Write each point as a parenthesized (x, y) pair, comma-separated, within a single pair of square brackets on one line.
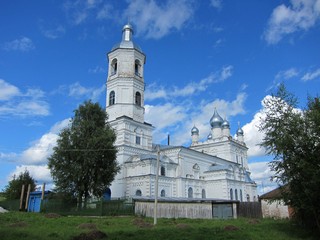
[(127, 32)]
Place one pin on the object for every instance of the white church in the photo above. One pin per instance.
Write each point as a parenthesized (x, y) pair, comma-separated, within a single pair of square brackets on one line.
[(216, 168)]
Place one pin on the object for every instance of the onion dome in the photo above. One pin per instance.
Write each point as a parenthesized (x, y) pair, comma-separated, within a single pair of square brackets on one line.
[(126, 41), (216, 120), (194, 131), (240, 132), (209, 136), (225, 124)]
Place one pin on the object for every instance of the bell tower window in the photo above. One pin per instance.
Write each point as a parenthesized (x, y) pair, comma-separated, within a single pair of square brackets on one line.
[(114, 66), (137, 68), (112, 98), (163, 171), (138, 98)]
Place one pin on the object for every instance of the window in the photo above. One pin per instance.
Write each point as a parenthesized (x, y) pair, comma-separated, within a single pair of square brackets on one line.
[(236, 194), (163, 171), (231, 194), (203, 193), (190, 192), (138, 140), (163, 193), (248, 198), (138, 98), (114, 66), (138, 193), (112, 98), (137, 68), (241, 199)]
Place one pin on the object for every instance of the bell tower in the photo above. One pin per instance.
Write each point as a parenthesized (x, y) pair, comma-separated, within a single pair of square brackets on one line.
[(125, 92)]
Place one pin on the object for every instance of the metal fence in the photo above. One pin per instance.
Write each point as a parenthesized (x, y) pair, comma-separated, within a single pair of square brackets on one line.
[(249, 209), (99, 208), (11, 205)]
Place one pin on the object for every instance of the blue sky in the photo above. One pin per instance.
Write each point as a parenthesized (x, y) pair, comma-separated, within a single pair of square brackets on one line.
[(200, 55)]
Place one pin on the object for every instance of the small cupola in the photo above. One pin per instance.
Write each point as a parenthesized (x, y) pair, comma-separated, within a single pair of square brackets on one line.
[(194, 131)]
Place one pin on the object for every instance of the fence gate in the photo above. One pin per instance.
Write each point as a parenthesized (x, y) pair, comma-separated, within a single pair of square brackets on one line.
[(222, 211), (249, 209)]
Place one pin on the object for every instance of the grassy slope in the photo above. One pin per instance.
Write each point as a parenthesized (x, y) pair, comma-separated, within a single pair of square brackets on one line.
[(17, 225)]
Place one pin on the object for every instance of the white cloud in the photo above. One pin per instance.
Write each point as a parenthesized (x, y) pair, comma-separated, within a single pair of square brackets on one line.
[(80, 11), (283, 75), (77, 90), (311, 75), (97, 69), (105, 12), (157, 20), (155, 92), (35, 158), (165, 115), (261, 173), (7, 91), (287, 74), (178, 119), (41, 149), (23, 44), (40, 173), (54, 33), (300, 15), (252, 135), (17, 103), (216, 4)]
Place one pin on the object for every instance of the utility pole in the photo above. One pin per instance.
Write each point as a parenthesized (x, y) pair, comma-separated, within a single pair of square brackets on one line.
[(155, 212)]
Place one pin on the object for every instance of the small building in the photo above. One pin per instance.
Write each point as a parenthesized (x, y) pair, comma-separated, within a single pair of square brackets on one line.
[(186, 208), (273, 206), (34, 202)]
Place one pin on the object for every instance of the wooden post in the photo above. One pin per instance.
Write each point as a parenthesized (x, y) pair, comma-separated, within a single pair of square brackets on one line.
[(43, 189), (21, 198), (28, 194)]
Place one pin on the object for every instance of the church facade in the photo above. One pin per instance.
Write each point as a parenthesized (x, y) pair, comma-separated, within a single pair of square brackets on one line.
[(216, 168)]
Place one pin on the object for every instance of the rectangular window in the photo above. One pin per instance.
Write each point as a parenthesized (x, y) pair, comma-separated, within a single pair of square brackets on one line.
[(138, 140)]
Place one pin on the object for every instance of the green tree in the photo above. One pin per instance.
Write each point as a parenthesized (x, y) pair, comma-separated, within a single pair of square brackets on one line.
[(13, 189), (292, 137), (84, 161)]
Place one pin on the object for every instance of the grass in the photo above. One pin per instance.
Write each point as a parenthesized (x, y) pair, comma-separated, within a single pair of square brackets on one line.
[(20, 225)]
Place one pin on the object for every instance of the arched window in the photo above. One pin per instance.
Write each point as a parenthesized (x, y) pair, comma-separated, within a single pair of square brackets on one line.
[(241, 199), (231, 194), (137, 68), (248, 198), (236, 193), (114, 66), (138, 193), (203, 193), (138, 98), (163, 193), (112, 98), (163, 171), (190, 192)]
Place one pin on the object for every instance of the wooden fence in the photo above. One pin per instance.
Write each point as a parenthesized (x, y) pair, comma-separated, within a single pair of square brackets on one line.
[(249, 209)]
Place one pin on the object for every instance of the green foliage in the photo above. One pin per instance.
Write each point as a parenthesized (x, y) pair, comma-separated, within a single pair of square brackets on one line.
[(292, 136), (84, 161), (13, 189)]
